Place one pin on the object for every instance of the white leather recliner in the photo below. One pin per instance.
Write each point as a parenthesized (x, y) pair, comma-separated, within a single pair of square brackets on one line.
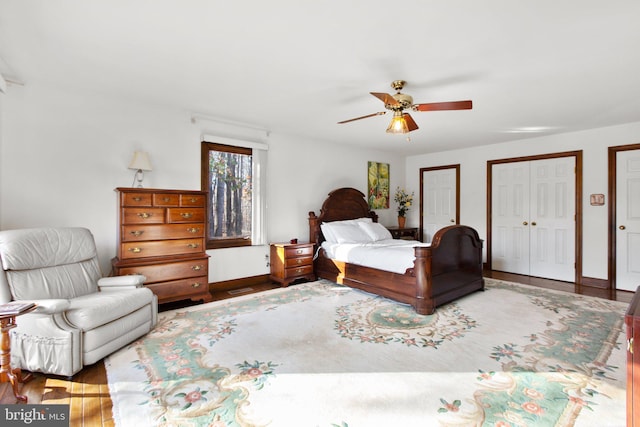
[(81, 317)]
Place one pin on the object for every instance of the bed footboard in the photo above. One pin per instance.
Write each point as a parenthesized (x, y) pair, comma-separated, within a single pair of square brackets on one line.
[(456, 263)]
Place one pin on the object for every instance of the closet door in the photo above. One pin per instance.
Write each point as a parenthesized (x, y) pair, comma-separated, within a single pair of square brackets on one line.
[(510, 217), (552, 219), (628, 220), (533, 218), (439, 196)]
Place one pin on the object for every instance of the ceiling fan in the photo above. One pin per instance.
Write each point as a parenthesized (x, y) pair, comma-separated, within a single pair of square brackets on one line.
[(402, 122)]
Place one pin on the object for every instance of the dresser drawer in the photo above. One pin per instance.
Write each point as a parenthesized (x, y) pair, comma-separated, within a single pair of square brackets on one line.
[(180, 289), (298, 271), (297, 251), (166, 199), (185, 215), (139, 233), (136, 199), (169, 271), (131, 250), (143, 215), (298, 261), (194, 200)]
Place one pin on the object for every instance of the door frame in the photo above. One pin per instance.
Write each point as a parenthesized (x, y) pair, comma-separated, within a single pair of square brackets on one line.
[(421, 207), (578, 205), (612, 184)]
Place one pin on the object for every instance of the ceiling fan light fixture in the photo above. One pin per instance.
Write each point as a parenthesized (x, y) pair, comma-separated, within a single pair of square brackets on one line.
[(398, 123)]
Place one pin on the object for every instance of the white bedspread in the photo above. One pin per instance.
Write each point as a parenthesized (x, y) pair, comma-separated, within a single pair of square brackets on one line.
[(390, 255)]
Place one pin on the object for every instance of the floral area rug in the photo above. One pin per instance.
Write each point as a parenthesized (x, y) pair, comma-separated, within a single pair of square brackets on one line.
[(320, 354)]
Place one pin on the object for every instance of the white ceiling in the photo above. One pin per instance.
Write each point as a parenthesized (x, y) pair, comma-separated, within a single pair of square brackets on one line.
[(299, 66)]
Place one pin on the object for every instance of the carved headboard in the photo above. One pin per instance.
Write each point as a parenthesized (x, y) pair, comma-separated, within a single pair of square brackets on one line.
[(343, 203)]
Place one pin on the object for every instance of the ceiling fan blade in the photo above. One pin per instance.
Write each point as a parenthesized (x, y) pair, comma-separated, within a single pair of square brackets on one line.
[(386, 98), (439, 106), (380, 113), (411, 125)]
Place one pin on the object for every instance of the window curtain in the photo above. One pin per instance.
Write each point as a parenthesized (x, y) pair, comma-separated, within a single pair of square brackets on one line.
[(259, 199)]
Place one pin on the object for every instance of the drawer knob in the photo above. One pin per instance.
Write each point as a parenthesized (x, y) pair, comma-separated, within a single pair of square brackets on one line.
[(165, 199), (186, 215), (299, 251), (137, 233), (193, 230), (137, 199), (196, 267), (135, 250), (193, 245), (299, 261), (145, 215), (195, 285), (193, 200)]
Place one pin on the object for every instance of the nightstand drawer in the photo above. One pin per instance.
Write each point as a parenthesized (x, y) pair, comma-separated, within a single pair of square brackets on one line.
[(139, 233), (298, 262), (297, 251), (298, 271)]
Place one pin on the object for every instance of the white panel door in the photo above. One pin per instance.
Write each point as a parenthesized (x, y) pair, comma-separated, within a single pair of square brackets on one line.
[(510, 217), (552, 218), (533, 218), (439, 201), (628, 220)]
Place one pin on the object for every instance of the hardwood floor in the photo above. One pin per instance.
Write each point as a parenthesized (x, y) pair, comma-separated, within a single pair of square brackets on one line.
[(87, 392)]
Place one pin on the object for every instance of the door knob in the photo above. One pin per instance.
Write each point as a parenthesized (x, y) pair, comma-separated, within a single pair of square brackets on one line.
[(525, 223), (622, 227), (453, 220), (534, 223)]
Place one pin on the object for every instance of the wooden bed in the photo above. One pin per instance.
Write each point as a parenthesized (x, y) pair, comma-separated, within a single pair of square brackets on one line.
[(447, 270)]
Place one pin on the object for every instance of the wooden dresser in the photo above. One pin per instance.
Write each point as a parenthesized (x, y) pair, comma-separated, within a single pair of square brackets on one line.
[(161, 235), (632, 321), (290, 262)]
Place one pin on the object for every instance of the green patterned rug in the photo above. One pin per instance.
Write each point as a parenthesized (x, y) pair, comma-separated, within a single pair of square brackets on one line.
[(319, 354)]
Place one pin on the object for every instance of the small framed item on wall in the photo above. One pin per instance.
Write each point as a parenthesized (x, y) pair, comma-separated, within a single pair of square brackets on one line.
[(597, 200), (378, 185)]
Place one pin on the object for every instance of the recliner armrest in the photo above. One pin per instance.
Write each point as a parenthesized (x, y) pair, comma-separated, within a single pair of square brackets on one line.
[(51, 306), (121, 282)]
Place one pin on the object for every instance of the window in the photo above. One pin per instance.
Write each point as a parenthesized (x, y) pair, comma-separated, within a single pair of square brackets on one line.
[(227, 176)]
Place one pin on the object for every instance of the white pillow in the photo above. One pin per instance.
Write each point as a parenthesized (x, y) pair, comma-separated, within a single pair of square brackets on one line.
[(331, 236), (376, 231), (349, 233)]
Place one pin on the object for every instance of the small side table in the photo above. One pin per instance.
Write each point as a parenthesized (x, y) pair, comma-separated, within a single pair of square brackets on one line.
[(407, 233), (290, 262), (7, 374)]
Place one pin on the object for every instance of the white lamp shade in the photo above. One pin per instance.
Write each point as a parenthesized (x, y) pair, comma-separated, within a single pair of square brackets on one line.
[(140, 161)]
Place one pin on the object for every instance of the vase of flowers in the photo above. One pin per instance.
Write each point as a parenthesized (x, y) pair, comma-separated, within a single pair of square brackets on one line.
[(404, 201)]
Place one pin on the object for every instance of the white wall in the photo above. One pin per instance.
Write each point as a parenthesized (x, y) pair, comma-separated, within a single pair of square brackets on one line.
[(473, 180), (63, 152)]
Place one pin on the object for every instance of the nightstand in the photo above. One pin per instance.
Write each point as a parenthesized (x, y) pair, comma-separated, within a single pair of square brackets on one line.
[(291, 261), (404, 233)]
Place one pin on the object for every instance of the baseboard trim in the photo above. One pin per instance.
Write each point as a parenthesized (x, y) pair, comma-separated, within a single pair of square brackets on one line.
[(592, 282), (244, 282)]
